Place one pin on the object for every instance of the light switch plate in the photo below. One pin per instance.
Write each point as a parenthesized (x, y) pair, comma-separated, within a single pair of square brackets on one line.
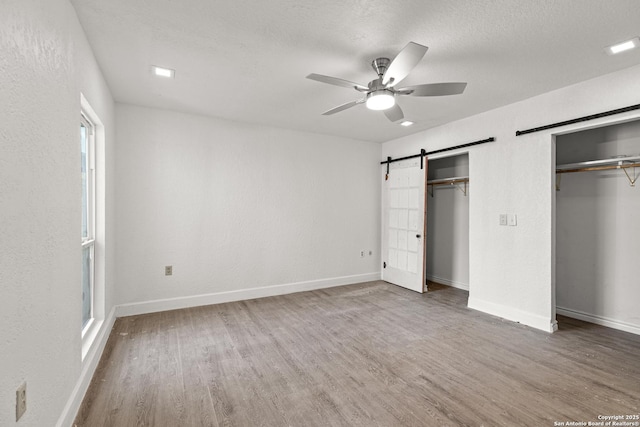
[(503, 219), (513, 219)]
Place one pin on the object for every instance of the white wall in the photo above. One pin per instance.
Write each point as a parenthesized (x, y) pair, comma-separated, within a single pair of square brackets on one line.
[(512, 269), (448, 224), (45, 62), (598, 230), (233, 207)]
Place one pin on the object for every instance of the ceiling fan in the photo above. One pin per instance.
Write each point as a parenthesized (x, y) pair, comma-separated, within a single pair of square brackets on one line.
[(381, 93)]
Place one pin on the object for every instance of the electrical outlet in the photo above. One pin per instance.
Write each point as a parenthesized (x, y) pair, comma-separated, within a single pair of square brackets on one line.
[(21, 400), (168, 270), (361, 254), (503, 219)]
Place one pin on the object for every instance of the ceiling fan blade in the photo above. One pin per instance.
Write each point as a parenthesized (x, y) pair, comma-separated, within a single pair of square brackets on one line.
[(433, 89), (337, 82), (403, 63), (394, 113), (343, 107)]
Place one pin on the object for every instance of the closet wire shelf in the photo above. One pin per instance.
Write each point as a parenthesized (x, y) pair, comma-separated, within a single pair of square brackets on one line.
[(619, 162)]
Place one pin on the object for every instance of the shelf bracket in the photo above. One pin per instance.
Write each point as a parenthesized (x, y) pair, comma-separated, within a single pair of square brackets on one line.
[(632, 181), (558, 178), (464, 191), (430, 192)]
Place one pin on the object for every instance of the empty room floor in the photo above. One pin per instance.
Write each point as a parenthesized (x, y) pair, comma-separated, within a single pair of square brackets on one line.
[(360, 355)]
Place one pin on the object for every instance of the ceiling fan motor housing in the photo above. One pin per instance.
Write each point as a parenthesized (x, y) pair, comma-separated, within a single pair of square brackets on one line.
[(375, 85), (380, 65), (379, 97)]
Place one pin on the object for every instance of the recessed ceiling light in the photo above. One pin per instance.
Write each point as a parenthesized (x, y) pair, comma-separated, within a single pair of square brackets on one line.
[(624, 46), (162, 72), (406, 123)]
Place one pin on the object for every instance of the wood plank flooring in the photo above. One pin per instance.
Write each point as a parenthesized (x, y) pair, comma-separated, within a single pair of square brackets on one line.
[(371, 354)]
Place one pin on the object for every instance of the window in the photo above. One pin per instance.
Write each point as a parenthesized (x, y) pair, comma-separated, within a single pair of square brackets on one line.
[(91, 308), (88, 232)]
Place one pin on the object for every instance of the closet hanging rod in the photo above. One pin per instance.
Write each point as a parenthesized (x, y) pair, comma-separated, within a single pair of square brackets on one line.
[(599, 168), (604, 164), (448, 181), (615, 163)]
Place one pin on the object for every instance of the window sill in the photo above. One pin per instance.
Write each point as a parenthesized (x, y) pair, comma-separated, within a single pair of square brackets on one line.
[(89, 334)]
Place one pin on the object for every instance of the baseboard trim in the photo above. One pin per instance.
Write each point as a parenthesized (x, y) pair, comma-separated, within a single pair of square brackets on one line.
[(89, 366), (513, 314), (448, 282), (153, 306), (599, 320)]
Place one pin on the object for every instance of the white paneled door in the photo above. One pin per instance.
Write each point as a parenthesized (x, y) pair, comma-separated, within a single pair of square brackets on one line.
[(403, 225)]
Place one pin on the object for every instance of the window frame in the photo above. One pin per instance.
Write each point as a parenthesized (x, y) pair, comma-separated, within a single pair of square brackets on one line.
[(98, 140), (89, 241)]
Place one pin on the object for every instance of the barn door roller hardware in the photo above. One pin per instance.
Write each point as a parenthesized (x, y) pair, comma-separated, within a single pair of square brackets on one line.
[(424, 153), (386, 176), (579, 119)]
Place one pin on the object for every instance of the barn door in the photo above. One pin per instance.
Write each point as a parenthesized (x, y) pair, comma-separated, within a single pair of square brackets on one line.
[(404, 225)]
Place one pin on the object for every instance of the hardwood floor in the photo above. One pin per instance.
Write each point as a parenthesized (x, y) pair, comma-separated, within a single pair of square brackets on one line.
[(371, 354)]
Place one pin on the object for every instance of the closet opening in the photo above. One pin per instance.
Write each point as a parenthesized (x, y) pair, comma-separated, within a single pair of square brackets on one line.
[(598, 226), (448, 188)]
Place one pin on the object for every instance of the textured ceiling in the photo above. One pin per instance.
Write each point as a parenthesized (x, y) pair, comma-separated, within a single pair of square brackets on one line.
[(247, 60)]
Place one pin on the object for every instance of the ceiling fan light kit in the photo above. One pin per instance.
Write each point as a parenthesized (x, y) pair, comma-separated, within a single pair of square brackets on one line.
[(380, 93), (380, 100)]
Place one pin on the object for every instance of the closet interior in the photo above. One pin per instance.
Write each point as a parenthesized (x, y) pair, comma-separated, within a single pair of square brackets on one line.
[(597, 225), (448, 221)]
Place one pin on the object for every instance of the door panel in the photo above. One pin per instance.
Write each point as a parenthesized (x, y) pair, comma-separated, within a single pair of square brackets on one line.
[(403, 225)]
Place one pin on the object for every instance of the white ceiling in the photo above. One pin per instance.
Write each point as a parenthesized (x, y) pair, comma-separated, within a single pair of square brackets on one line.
[(246, 60)]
